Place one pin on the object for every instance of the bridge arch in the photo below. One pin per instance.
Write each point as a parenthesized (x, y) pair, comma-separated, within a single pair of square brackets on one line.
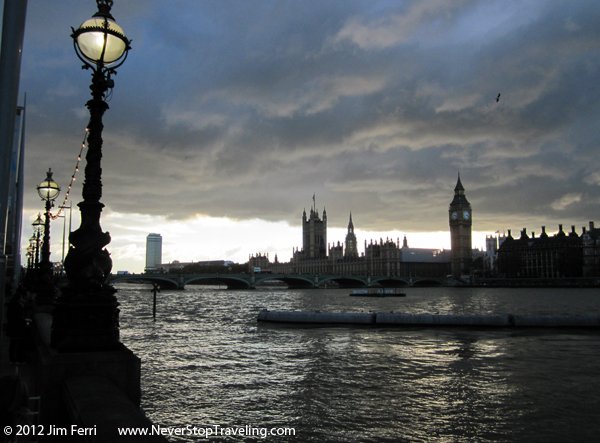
[(162, 281), (293, 281), (390, 282), (349, 281), (232, 282)]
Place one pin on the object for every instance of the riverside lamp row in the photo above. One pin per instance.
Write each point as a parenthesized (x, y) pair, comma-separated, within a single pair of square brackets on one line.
[(48, 190), (86, 316)]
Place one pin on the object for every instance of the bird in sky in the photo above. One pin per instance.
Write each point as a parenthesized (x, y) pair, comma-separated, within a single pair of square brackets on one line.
[(498, 98)]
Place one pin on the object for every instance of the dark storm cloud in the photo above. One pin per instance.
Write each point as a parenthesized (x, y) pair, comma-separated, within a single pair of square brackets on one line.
[(246, 108)]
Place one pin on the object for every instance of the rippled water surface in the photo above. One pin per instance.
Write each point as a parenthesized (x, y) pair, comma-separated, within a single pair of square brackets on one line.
[(206, 361)]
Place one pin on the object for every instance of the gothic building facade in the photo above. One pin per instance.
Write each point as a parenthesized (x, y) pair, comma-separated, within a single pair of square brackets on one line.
[(558, 256), (383, 258), (351, 243), (590, 243), (314, 234), (460, 219)]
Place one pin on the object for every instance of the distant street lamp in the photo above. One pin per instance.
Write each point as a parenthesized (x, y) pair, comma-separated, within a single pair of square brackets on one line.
[(86, 315), (38, 227), (29, 257), (48, 190)]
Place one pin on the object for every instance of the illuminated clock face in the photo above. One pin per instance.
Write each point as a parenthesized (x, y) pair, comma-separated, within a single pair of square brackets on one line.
[(466, 215), (454, 215)]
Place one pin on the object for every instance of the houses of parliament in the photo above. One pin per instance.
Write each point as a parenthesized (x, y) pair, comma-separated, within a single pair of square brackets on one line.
[(547, 257), (384, 257)]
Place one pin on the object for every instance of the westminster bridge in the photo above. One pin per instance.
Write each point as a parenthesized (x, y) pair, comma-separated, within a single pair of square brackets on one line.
[(293, 281)]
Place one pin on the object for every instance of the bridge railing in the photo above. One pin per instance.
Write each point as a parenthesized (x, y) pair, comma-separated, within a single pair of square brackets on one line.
[(247, 281)]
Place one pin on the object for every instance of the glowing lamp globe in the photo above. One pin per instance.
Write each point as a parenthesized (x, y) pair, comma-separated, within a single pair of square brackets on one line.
[(48, 189), (38, 224), (100, 40)]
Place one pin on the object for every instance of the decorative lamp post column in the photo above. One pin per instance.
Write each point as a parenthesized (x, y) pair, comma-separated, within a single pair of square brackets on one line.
[(86, 315), (38, 227), (30, 250), (48, 190)]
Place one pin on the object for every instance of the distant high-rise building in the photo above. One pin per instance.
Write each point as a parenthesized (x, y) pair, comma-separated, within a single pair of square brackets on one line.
[(153, 252), (459, 214)]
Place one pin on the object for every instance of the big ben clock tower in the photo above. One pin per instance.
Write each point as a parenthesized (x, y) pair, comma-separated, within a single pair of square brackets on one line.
[(460, 231)]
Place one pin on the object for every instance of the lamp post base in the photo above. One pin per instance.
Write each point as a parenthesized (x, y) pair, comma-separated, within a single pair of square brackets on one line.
[(86, 322)]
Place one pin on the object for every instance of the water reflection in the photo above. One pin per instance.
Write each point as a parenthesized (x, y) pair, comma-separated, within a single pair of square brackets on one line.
[(206, 361)]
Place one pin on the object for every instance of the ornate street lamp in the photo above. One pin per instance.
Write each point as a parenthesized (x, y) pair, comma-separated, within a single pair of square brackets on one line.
[(29, 257), (86, 315), (48, 190), (38, 227)]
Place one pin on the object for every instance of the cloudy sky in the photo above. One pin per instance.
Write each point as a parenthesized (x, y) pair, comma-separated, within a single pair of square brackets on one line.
[(229, 114)]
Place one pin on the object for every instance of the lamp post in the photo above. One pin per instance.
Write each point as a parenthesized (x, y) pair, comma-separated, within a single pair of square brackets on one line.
[(86, 314), (29, 257), (30, 275), (38, 227), (48, 190)]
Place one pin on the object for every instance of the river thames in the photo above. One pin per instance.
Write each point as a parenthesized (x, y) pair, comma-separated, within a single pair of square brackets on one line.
[(206, 361)]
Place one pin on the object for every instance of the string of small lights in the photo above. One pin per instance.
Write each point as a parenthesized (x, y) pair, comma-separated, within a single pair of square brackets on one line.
[(73, 176)]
